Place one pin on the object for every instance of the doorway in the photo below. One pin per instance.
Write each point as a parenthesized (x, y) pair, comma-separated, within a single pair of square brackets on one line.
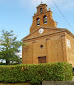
[(42, 59)]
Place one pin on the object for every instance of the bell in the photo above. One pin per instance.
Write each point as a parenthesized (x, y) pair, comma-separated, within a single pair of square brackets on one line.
[(38, 23)]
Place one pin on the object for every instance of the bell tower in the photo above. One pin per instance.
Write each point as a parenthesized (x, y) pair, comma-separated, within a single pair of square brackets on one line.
[(43, 18)]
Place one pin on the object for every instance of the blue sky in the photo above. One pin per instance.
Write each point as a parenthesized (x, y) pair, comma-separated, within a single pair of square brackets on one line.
[(17, 15)]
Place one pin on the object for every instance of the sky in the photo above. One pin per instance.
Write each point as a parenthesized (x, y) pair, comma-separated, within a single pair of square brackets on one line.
[(17, 15)]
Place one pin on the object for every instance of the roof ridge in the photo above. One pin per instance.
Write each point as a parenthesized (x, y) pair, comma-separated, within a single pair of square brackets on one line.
[(44, 28)]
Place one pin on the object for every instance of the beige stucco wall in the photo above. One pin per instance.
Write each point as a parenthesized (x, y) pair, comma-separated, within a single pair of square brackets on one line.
[(70, 50), (54, 41), (53, 49)]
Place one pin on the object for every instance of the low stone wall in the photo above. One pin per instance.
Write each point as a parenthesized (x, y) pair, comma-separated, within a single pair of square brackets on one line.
[(58, 83)]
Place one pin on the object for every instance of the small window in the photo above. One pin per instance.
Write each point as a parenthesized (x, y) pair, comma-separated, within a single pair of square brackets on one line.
[(41, 46), (45, 19), (68, 43), (41, 11), (38, 21)]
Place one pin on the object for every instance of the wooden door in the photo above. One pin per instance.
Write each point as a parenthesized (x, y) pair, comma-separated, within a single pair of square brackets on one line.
[(42, 59)]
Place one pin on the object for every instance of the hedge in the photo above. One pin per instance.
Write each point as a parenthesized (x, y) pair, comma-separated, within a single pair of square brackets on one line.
[(36, 73)]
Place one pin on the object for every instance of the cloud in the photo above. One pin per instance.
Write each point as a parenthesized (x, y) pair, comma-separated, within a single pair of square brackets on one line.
[(60, 3), (19, 54), (37, 2), (69, 4)]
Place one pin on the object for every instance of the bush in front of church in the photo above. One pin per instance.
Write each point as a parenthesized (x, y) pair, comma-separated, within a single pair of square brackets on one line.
[(36, 73)]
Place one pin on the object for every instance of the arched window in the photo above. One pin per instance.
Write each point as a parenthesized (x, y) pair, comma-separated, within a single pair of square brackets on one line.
[(38, 21), (45, 19), (41, 11)]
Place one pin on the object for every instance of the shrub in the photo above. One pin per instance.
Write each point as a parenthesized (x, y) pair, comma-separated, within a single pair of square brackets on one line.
[(36, 73)]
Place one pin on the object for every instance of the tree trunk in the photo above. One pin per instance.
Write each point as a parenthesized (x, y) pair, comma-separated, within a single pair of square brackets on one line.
[(7, 62)]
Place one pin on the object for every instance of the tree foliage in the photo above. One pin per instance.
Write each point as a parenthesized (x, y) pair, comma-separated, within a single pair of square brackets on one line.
[(9, 47)]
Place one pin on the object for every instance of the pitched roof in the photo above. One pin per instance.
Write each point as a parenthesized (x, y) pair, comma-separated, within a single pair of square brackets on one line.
[(59, 30)]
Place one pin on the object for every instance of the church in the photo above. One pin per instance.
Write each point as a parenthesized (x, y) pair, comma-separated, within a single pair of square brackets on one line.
[(46, 43)]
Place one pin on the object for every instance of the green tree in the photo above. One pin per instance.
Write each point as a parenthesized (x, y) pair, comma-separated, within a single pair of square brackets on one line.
[(9, 47)]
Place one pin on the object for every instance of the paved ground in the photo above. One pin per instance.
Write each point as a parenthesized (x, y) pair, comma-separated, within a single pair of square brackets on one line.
[(73, 78)]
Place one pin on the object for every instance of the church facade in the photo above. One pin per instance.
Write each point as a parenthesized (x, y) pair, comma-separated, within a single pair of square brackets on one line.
[(46, 43)]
